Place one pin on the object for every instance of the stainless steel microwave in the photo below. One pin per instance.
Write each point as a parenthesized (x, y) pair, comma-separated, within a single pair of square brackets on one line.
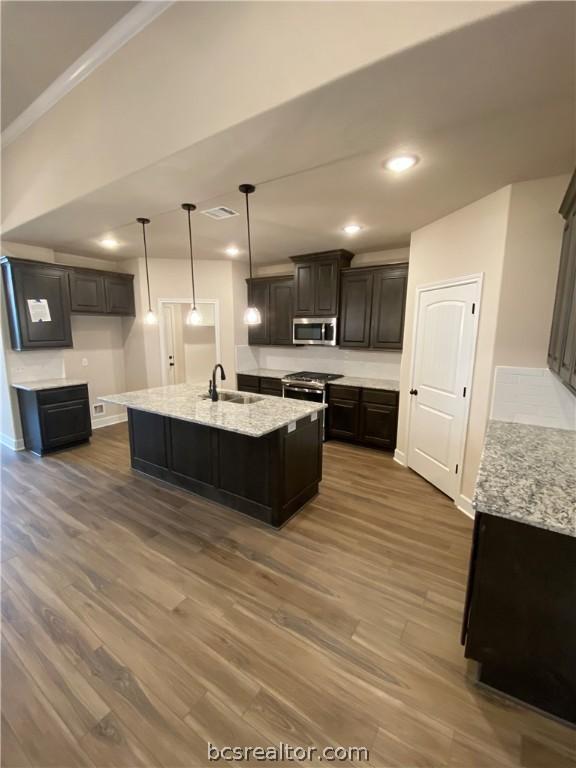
[(314, 330)]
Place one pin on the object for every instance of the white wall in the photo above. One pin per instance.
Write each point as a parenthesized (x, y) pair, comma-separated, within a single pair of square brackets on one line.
[(533, 243), (469, 241), (350, 362), (532, 396)]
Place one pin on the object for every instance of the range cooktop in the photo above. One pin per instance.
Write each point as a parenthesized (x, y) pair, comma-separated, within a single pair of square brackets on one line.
[(313, 376)]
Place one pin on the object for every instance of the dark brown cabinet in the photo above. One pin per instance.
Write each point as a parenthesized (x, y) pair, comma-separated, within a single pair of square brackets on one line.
[(379, 419), (273, 296), (65, 291), (562, 347), (372, 307), (87, 293), (265, 385), (30, 287), (54, 418), (364, 416), (519, 619), (119, 291), (317, 282)]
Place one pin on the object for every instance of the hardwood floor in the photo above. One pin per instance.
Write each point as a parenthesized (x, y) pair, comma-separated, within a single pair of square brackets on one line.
[(140, 622)]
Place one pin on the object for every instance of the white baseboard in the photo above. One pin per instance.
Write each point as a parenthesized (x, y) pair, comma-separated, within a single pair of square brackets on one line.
[(400, 457), (15, 444), (107, 421), (464, 504)]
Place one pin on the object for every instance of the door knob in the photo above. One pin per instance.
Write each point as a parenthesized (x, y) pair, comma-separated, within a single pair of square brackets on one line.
[(413, 391)]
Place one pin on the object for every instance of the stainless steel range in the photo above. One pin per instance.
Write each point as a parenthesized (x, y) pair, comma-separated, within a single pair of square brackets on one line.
[(307, 385)]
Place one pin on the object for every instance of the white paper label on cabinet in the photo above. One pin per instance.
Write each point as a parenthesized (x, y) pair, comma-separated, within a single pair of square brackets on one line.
[(292, 426), (314, 416), (39, 310)]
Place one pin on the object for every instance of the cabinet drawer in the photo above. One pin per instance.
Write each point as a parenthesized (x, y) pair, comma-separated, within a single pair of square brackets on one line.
[(380, 396), (343, 393), (248, 383), (271, 384), (63, 395)]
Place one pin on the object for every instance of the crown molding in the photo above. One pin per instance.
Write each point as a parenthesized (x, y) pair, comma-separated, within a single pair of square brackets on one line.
[(110, 42)]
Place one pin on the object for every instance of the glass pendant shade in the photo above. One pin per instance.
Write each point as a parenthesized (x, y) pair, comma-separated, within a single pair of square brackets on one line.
[(150, 318), (193, 317), (252, 316)]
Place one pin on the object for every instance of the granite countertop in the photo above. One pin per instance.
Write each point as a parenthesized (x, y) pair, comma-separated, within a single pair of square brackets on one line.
[(345, 381), (35, 386), (366, 383), (267, 373), (183, 401), (528, 473)]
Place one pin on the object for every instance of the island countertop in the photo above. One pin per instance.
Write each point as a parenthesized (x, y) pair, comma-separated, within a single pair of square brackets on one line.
[(528, 473), (184, 401)]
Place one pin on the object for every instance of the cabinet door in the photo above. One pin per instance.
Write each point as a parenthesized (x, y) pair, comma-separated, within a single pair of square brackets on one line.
[(281, 311), (326, 287), (343, 419), (65, 423), (248, 383), (355, 309), (32, 282), (568, 325), (87, 293), (566, 277), (259, 296), (388, 305), (119, 295), (305, 283), (378, 425)]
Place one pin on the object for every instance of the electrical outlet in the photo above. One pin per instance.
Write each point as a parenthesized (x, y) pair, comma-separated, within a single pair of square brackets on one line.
[(98, 409), (85, 362)]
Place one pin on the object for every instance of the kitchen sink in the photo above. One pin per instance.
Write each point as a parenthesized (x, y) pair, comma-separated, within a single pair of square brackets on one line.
[(235, 397)]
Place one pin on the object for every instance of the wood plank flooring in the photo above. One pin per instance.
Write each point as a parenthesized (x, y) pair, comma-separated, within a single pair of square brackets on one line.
[(141, 622)]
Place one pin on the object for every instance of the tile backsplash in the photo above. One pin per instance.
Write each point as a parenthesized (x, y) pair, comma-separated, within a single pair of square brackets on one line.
[(350, 362), (532, 396)]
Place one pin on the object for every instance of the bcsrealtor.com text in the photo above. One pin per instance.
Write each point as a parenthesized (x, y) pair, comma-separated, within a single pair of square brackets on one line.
[(276, 753)]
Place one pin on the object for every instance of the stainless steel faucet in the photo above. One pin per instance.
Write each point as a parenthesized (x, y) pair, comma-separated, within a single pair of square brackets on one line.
[(212, 391)]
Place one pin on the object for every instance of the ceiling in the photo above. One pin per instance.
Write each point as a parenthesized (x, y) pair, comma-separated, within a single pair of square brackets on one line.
[(478, 106), (42, 39)]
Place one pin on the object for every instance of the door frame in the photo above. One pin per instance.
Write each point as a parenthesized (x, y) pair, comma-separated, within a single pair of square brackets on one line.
[(462, 502), (162, 328)]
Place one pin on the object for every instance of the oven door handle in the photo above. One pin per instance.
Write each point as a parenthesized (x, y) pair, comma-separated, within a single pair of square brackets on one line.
[(302, 389)]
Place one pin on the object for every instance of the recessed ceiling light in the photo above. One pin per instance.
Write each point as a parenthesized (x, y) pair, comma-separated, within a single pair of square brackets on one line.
[(400, 163), (352, 229), (109, 242), (232, 250)]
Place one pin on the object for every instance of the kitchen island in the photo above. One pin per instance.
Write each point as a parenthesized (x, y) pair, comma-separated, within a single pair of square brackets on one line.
[(259, 455), (520, 616)]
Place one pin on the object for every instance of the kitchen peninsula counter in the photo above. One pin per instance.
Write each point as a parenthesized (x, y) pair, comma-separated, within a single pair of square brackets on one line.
[(261, 455)]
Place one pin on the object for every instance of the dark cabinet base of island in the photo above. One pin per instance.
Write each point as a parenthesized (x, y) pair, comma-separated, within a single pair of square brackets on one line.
[(520, 617), (269, 477)]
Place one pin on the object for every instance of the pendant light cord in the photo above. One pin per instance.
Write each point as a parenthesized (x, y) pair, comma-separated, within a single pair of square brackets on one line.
[(249, 238), (191, 261), (146, 262)]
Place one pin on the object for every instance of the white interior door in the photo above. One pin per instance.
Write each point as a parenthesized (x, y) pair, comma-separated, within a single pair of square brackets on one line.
[(442, 376), (169, 344)]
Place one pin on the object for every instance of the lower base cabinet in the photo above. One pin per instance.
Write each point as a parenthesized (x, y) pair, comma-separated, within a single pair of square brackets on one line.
[(54, 418), (520, 619), (363, 416)]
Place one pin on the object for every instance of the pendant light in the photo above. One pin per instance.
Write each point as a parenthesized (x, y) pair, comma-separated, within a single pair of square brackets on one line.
[(193, 317), (150, 317), (251, 313)]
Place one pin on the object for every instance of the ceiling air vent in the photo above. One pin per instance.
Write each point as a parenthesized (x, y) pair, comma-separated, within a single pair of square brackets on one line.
[(220, 213)]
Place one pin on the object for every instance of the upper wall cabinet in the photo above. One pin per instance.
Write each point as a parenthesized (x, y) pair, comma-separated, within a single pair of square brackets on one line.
[(317, 282), (38, 304), (562, 348), (42, 296), (373, 303), (273, 296)]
